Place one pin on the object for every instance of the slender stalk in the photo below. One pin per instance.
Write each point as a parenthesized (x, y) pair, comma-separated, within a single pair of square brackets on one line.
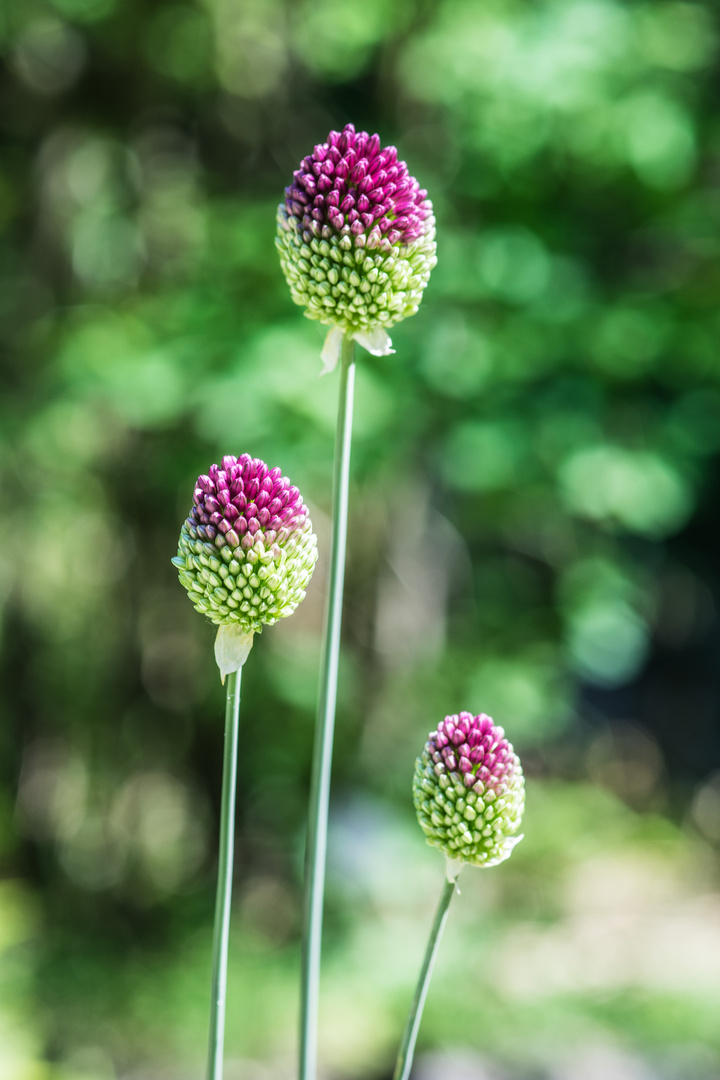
[(407, 1046), (224, 885), (316, 848)]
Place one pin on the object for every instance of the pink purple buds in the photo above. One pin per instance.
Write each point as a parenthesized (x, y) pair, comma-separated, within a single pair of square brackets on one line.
[(469, 790), (247, 550), (356, 237)]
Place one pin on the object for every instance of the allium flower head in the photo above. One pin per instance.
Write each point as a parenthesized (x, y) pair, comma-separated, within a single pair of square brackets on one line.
[(469, 790), (247, 549), (356, 237)]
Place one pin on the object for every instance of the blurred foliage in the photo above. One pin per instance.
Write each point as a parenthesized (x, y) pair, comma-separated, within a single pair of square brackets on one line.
[(534, 529)]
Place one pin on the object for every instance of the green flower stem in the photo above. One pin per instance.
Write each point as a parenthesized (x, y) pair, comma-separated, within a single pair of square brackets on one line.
[(407, 1046), (322, 751), (224, 886)]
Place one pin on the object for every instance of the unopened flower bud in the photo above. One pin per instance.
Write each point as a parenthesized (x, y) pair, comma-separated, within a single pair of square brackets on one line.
[(247, 549), (356, 237), (469, 790)]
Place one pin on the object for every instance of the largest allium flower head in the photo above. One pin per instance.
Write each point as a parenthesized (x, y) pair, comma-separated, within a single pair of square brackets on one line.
[(356, 237), (469, 790), (247, 549)]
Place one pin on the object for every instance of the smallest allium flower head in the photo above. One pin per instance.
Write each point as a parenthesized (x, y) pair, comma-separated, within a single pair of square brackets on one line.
[(247, 549), (356, 237), (469, 790)]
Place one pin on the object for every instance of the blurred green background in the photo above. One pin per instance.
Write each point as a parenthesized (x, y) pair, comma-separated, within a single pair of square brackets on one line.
[(534, 533)]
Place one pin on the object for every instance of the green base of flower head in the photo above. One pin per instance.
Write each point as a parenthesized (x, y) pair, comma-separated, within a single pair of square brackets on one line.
[(252, 588), (344, 282)]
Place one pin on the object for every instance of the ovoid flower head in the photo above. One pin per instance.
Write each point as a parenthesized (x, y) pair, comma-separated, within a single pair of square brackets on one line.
[(247, 549), (356, 237), (469, 790)]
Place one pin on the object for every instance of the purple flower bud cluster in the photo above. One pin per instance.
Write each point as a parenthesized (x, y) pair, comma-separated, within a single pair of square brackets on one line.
[(356, 234), (247, 550), (352, 182), (242, 498), (473, 746), (469, 790)]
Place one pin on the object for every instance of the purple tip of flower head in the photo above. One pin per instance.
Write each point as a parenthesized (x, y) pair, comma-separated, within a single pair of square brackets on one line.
[(474, 747), (241, 500), (351, 184)]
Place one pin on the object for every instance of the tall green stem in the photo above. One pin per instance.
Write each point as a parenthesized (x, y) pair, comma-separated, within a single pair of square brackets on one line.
[(224, 885), (316, 849), (407, 1046)]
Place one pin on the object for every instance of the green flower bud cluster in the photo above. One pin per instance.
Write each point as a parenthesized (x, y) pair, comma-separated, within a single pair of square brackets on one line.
[(357, 288)]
